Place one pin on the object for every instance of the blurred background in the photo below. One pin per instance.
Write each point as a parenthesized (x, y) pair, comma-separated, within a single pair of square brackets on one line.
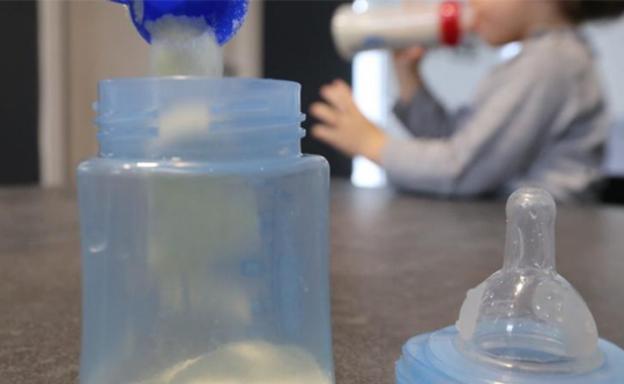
[(56, 51)]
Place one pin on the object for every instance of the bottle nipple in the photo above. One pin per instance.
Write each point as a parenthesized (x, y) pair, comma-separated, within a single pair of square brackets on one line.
[(526, 316)]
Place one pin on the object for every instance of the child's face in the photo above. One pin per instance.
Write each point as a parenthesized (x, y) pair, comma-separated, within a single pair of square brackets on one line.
[(500, 21)]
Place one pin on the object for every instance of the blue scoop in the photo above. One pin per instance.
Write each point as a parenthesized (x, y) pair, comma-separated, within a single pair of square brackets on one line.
[(223, 17)]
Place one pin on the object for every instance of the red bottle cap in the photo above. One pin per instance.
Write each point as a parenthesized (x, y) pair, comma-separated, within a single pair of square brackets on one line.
[(450, 28)]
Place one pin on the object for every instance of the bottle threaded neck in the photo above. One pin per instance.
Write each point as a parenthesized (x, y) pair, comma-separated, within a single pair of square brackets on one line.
[(199, 118)]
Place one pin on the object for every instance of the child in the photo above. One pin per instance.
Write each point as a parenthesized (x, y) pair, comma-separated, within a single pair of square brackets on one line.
[(537, 120)]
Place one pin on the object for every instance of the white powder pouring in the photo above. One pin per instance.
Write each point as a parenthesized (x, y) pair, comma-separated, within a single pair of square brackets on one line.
[(184, 45)]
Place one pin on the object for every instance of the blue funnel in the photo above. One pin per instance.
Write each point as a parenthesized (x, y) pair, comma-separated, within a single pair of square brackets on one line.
[(224, 17)]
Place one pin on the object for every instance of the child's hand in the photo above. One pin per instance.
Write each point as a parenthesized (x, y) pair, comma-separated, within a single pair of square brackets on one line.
[(407, 68), (342, 124)]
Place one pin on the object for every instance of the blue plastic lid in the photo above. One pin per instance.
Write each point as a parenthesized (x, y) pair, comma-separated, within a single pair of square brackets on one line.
[(525, 324), (224, 17), (438, 358)]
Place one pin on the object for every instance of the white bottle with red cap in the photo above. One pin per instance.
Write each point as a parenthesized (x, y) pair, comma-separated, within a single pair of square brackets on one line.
[(358, 28)]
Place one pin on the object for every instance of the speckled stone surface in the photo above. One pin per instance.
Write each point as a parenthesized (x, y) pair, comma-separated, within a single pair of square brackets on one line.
[(400, 266)]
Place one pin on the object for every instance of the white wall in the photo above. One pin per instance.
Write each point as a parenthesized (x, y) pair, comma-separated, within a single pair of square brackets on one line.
[(52, 93), (608, 41)]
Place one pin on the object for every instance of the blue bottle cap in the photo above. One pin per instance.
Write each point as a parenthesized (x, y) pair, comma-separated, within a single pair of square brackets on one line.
[(525, 324), (224, 17)]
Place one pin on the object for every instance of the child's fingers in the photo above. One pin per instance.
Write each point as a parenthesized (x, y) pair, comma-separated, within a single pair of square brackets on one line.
[(414, 53), (325, 133), (341, 83), (343, 89), (334, 97), (409, 56), (324, 112)]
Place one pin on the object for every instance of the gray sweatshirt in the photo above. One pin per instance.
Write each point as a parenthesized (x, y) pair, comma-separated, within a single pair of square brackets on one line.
[(537, 120)]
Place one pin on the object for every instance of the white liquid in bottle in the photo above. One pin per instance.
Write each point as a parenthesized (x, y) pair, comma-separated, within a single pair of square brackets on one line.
[(252, 362)]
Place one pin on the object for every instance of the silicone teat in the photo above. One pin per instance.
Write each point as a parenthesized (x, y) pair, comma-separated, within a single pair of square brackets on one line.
[(526, 316)]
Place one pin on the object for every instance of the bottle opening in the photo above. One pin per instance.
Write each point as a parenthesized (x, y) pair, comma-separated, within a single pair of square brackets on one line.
[(198, 117)]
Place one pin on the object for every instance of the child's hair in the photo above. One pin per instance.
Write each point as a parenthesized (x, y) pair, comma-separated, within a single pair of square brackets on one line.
[(580, 11)]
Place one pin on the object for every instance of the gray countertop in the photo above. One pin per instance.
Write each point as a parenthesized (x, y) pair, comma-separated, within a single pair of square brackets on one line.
[(400, 266)]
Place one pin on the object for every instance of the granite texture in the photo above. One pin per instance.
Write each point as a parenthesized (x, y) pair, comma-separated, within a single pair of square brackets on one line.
[(400, 266)]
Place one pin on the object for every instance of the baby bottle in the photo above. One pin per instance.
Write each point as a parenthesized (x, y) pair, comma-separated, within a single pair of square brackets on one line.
[(359, 27), (525, 324), (204, 235)]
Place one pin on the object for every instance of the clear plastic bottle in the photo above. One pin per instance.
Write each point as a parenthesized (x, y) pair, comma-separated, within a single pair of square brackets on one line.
[(204, 237), (359, 27)]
